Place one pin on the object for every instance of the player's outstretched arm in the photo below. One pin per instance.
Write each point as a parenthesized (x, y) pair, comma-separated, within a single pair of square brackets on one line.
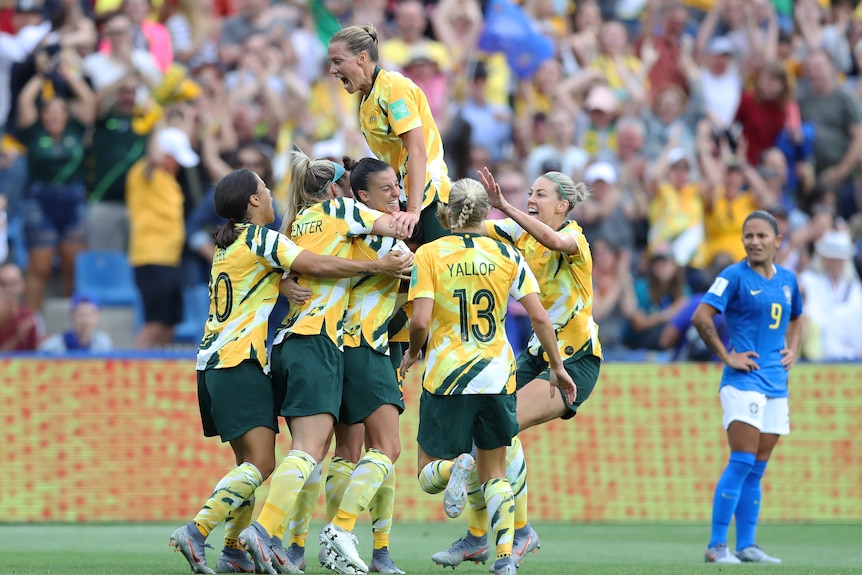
[(395, 263)]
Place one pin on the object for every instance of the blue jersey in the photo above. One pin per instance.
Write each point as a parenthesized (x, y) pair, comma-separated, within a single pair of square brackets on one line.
[(757, 311)]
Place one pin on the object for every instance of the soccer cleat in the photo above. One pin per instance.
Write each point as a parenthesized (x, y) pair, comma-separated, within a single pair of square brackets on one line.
[(280, 561), (343, 543), (455, 496), (257, 541), (189, 541), (334, 562), (468, 548), (233, 560), (296, 555), (720, 554), (526, 541), (505, 566), (754, 554), (381, 562)]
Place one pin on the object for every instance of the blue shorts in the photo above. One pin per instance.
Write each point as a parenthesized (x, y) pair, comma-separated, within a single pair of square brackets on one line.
[(54, 215)]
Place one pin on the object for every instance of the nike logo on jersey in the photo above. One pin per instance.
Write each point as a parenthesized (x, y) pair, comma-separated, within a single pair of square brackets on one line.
[(756, 291)]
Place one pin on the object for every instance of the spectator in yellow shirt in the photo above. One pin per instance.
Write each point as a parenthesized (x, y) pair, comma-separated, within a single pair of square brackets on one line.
[(157, 233)]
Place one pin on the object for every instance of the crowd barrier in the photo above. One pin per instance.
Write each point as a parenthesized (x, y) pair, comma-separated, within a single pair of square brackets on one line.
[(119, 439)]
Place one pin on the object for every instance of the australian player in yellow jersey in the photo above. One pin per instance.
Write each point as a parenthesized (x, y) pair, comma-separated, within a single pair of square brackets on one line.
[(307, 350), (557, 251), (459, 290), (371, 394), (396, 120), (234, 390)]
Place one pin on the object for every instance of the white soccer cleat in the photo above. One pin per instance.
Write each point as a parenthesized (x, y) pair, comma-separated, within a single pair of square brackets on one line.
[(754, 554), (720, 554), (455, 496), (334, 562), (344, 544)]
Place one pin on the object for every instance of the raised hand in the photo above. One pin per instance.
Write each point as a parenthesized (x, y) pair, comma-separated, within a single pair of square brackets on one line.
[(495, 195)]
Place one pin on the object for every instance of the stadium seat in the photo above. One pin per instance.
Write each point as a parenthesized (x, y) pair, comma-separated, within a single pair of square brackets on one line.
[(196, 305), (107, 276)]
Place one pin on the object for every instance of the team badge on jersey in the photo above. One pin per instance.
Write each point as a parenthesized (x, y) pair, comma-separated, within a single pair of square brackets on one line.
[(788, 294), (718, 286)]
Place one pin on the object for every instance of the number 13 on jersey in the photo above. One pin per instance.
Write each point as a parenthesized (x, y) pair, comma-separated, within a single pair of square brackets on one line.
[(484, 298)]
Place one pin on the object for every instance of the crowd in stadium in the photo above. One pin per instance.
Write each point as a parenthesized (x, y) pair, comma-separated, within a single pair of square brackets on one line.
[(681, 117)]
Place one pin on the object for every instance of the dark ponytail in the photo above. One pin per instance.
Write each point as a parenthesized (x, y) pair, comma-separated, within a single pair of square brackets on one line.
[(362, 170), (232, 194)]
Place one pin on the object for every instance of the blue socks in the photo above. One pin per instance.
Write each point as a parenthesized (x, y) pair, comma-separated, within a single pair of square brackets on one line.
[(748, 508), (727, 493)]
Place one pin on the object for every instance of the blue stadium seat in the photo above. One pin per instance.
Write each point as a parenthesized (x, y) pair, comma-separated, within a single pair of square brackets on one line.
[(106, 275), (196, 306)]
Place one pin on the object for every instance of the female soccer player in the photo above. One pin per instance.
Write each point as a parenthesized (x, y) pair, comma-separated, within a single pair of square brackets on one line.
[(371, 393), (234, 390), (459, 290), (396, 120), (307, 350), (557, 252), (762, 305)]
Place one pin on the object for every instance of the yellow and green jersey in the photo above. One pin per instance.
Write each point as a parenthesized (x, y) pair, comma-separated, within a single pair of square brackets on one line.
[(372, 300), (243, 288), (327, 229), (565, 285), (394, 106), (470, 278)]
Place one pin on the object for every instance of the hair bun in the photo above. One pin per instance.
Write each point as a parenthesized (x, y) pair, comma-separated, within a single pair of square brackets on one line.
[(371, 32)]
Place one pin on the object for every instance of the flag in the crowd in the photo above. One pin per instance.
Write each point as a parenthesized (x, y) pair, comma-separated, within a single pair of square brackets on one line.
[(510, 30), (325, 24)]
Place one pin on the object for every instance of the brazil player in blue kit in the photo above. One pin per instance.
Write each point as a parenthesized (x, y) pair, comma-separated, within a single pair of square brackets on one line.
[(762, 305)]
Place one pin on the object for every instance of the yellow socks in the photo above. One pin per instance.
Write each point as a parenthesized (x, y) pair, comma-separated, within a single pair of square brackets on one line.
[(236, 521), (365, 480), (304, 508), (228, 495), (516, 474), (382, 509), (337, 480), (434, 476), (501, 510), (287, 482)]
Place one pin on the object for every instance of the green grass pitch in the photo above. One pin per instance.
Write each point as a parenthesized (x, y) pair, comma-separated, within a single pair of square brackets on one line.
[(582, 549)]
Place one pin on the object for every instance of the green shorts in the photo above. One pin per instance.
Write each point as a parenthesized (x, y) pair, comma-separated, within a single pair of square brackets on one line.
[(583, 367), (308, 371), (235, 400), (450, 424), (369, 382), (429, 227)]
